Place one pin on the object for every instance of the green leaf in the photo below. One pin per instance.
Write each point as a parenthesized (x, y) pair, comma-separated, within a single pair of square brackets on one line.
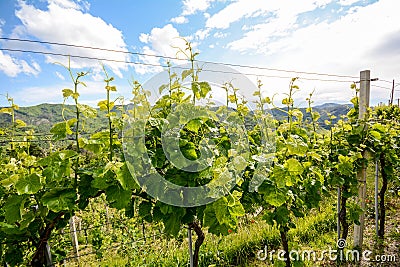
[(8, 111), (201, 89), (125, 178), (239, 163), (186, 73), (232, 98), (172, 223), (267, 100), (62, 129), (13, 208), (194, 125), (293, 166), (272, 195), (29, 184), (145, 209), (189, 151), (275, 198), (60, 199), (222, 215), (111, 88), (11, 180), (20, 123), (375, 135), (67, 93), (103, 105), (118, 197), (162, 88), (205, 88), (87, 111)]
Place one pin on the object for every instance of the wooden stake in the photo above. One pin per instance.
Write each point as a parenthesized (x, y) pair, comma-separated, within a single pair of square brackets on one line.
[(376, 197), (339, 197), (391, 95), (74, 237), (191, 263), (361, 175)]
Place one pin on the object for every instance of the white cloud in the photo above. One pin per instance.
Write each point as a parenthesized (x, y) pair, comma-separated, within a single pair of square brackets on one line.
[(285, 10), (60, 76), (2, 22), (202, 34), (84, 29), (349, 44), (347, 2), (190, 7), (180, 20), (163, 42), (12, 66), (220, 35), (65, 4), (279, 35)]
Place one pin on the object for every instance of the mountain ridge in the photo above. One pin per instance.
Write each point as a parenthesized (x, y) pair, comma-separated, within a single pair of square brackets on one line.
[(41, 117)]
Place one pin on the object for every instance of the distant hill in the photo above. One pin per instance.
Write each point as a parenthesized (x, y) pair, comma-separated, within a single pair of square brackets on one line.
[(328, 108), (43, 116)]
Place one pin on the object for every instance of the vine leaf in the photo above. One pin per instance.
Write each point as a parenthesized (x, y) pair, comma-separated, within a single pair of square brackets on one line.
[(87, 111), (118, 197), (62, 129), (172, 222), (13, 208), (125, 178), (293, 166), (59, 199), (29, 184)]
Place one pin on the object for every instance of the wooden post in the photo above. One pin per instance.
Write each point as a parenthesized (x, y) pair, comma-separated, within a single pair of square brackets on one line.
[(339, 197), (365, 81), (74, 237), (191, 263), (49, 261), (392, 94), (376, 197)]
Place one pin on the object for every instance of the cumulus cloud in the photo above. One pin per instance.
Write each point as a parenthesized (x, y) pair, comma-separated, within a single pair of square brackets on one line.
[(346, 45), (286, 11), (190, 7), (84, 29), (341, 39), (165, 42), (202, 34), (12, 66), (180, 20)]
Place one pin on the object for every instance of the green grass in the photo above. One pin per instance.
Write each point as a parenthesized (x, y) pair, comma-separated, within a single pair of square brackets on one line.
[(236, 249)]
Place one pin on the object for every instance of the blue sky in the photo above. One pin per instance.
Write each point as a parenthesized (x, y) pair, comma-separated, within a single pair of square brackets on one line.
[(321, 36)]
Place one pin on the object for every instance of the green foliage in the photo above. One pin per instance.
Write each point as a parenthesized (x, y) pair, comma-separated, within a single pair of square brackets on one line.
[(285, 178)]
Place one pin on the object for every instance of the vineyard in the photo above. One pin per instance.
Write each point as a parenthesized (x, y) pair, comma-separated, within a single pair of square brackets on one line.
[(191, 179)]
